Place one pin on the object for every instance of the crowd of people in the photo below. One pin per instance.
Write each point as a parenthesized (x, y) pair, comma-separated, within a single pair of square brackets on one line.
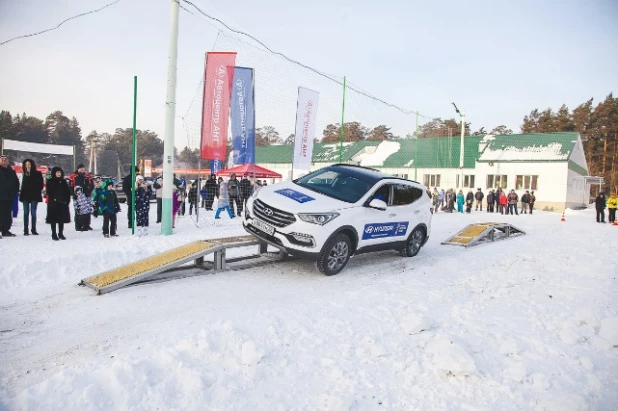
[(95, 197)]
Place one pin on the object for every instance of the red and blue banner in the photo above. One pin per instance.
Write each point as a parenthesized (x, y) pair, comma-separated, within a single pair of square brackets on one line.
[(215, 166), (242, 114), (216, 104)]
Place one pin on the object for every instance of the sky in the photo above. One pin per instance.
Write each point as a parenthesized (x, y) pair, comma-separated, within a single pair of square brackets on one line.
[(496, 59)]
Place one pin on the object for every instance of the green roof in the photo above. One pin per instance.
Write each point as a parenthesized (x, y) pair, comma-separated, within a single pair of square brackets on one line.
[(322, 153), (532, 147), (438, 152)]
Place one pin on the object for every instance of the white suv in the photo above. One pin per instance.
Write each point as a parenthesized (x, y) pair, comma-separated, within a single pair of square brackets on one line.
[(338, 211)]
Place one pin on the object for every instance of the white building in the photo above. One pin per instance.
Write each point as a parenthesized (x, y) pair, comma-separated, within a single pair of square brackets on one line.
[(552, 165)]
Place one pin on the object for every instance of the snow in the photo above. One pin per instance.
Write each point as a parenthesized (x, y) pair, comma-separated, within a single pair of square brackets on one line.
[(383, 151), (550, 152), (530, 323)]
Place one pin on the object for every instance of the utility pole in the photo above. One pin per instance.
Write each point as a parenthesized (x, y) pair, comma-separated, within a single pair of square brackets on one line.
[(170, 113), (416, 148), (462, 116)]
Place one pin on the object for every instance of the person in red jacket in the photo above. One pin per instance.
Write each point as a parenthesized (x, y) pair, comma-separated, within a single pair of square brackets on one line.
[(502, 202)]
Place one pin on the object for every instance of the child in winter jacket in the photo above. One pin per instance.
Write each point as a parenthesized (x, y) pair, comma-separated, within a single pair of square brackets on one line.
[(460, 202), (83, 208), (224, 200), (107, 203), (142, 205), (193, 198)]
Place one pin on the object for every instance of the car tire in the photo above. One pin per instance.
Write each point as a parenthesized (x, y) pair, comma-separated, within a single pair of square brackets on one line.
[(414, 243), (335, 255)]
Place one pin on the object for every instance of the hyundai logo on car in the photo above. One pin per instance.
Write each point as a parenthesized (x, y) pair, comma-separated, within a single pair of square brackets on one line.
[(268, 212)]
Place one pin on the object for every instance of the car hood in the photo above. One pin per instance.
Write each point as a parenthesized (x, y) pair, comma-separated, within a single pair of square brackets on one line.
[(291, 197)]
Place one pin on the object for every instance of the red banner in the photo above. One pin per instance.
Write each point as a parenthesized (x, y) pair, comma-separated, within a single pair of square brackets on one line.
[(216, 104)]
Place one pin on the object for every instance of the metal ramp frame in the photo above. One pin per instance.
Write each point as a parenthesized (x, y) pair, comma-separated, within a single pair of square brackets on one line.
[(474, 234), (172, 260)]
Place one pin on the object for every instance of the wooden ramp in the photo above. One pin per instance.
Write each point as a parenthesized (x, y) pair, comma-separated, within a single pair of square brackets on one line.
[(140, 271), (482, 233)]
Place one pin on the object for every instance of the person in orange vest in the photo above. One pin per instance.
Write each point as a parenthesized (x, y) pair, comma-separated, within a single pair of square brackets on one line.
[(612, 204)]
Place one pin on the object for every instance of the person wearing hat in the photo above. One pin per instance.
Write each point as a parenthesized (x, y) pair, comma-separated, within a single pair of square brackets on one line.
[(59, 196), (246, 189), (479, 196), (212, 191), (127, 184), (30, 194), (9, 187), (84, 180), (142, 205), (83, 208), (525, 201), (233, 188)]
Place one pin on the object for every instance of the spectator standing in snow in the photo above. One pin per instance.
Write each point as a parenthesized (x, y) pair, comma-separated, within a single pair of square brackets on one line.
[(158, 186), (246, 189), (108, 206), (233, 188), (469, 201), (59, 196), (479, 196), (127, 185), (212, 189), (83, 208), (600, 205), (460, 202), (30, 194), (175, 204), (531, 202), (612, 204), (502, 202), (9, 187), (142, 206), (513, 199), (223, 203), (441, 199), (193, 198), (490, 201), (525, 201)]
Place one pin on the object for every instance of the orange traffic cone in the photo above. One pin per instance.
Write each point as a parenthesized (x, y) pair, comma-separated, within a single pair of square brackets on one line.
[(563, 219)]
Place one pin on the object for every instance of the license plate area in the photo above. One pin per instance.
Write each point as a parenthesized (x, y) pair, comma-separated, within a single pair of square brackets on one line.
[(262, 226)]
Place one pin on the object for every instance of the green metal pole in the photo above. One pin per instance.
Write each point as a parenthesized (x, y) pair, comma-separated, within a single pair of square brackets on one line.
[(415, 147), (134, 155), (342, 123)]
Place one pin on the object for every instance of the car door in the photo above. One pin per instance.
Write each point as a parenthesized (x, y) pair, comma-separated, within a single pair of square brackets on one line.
[(408, 207), (380, 226)]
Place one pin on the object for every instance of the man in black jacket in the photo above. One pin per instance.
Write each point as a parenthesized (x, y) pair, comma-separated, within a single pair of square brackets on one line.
[(212, 191), (525, 200), (245, 190), (600, 203), (479, 196), (490, 201), (127, 185), (469, 201), (233, 188), (30, 194), (9, 186)]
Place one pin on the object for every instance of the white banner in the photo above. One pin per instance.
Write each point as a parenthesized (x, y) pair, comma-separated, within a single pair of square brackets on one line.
[(36, 147), (306, 115)]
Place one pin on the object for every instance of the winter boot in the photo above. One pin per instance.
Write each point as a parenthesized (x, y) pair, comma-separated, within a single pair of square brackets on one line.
[(33, 231), (145, 232)]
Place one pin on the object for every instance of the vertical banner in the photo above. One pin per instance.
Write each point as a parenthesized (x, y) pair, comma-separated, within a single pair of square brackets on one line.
[(306, 115), (215, 166), (216, 104), (242, 115)]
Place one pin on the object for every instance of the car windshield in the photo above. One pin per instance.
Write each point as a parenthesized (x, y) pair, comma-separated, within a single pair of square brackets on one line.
[(343, 184)]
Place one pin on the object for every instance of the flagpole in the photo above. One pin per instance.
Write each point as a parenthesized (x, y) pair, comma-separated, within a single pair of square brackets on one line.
[(342, 123)]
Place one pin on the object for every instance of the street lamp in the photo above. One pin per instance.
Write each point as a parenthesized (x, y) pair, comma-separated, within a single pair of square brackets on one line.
[(462, 116)]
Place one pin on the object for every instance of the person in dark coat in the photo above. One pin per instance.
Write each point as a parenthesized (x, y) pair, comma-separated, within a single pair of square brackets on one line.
[(193, 198), (600, 203), (478, 196), (531, 202), (525, 200), (246, 189), (212, 191), (127, 186), (469, 201), (512, 198), (9, 187), (233, 188), (490, 201), (79, 178), (59, 196), (30, 194), (142, 205)]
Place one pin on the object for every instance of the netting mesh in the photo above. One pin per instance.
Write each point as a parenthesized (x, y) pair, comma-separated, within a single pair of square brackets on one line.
[(276, 90)]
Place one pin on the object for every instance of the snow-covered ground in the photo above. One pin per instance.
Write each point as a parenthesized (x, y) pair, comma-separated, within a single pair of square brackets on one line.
[(528, 323)]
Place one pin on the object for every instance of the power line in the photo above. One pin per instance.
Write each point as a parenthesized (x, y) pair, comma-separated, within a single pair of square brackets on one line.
[(61, 23), (332, 78)]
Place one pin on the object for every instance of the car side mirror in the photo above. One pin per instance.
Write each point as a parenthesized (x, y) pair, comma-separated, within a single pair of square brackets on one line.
[(378, 204)]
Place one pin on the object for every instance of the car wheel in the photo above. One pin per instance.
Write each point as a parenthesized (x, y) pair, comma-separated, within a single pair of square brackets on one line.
[(414, 243), (335, 255)]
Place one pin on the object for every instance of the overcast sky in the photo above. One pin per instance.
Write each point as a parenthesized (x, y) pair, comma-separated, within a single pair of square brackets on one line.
[(497, 59)]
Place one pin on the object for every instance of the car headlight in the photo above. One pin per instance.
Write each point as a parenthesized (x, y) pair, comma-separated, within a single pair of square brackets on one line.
[(318, 218)]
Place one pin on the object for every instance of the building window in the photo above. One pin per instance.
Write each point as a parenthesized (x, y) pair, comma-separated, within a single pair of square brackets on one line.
[(432, 180), (469, 181), (497, 181), (527, 183)]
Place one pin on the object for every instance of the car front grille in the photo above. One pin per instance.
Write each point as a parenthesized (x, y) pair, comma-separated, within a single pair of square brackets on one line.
[(272, 215)]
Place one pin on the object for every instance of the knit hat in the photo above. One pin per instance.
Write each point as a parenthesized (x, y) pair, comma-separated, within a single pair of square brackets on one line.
[(139, 178), (78, 188)]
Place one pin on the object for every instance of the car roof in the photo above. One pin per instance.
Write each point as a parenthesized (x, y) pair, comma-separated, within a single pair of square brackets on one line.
[(372, 173)]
